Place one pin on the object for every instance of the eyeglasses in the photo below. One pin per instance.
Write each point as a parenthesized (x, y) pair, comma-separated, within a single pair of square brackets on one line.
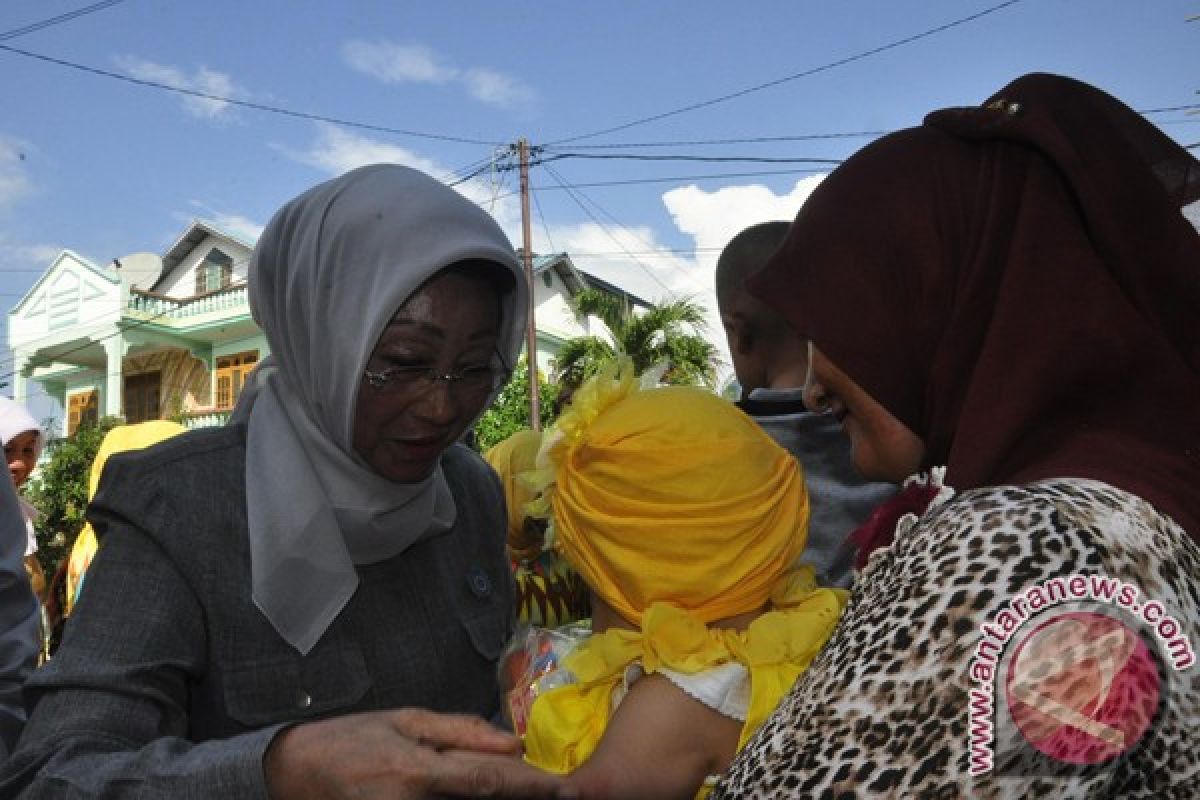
[(813, 394), (472, 379)]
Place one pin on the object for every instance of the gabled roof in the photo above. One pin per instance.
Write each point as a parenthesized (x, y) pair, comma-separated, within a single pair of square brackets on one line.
[(562, 265), (576, 279), (102, 272), (197, 231), (599, 283)]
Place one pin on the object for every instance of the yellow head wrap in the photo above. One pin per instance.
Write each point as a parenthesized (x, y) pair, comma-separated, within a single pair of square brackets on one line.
[(671, 495), (117, 440)]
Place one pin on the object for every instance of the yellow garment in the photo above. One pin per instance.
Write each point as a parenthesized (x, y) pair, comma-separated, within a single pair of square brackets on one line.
[(118, 440), (671, 495), (549, 592), (512, 458), (566, 723)]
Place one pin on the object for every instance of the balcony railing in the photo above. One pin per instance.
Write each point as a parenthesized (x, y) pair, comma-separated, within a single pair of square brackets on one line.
[(204, 419), (230, 298)]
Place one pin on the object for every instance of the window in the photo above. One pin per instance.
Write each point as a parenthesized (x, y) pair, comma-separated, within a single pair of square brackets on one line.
[(83, 408), (231, 376), (214, 272), (141, 396)]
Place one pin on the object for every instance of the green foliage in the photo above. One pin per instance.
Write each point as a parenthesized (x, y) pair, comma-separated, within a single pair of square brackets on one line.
[(510, 412), (59, 491), (669, 333)]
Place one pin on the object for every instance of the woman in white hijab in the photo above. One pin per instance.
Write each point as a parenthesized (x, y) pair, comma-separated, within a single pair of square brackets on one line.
[(310, 602), (23, 442)]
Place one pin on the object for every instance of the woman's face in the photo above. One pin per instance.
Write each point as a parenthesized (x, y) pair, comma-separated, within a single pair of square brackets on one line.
[(882, 447), (450, 324), (21, 453)]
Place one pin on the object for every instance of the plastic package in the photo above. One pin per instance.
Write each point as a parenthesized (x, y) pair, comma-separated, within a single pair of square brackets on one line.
[(531, 665)]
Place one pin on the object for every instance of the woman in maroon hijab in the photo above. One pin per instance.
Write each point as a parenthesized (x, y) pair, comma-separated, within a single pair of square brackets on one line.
[(1007, 300)]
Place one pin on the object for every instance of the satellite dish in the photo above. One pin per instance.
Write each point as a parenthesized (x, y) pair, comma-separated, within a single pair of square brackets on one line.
[(139, 270)]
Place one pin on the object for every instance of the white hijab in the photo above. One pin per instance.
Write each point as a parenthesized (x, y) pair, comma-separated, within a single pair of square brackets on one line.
[(327, 275), (15, 419)]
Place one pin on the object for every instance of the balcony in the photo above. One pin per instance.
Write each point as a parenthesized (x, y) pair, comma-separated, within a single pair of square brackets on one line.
[(158, 306)]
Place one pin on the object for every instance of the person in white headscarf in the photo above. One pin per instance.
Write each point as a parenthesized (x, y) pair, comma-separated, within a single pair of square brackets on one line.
[(310, 601), (23, 442)]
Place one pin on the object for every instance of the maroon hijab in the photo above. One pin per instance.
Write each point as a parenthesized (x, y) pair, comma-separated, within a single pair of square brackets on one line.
[(1017, 284)]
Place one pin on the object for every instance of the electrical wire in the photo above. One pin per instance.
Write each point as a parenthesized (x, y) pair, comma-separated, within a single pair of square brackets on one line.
[(684, 157), (9, 363), (679, 178), (68, 16), (270, 109), (808, 137), (575, 194), (538, 205), (603, 227), (1169, 109), (779, 81)]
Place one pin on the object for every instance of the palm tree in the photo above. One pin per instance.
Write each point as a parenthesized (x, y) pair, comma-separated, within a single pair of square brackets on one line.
[(668, 334)]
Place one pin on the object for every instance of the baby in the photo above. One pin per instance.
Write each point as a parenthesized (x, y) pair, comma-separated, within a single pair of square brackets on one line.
[(685, 521)]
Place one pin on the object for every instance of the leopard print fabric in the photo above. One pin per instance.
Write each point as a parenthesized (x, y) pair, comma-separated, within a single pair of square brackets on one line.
[(883, 710)]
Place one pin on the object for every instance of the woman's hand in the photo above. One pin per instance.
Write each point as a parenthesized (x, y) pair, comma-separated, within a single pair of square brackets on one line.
[(402, 754)]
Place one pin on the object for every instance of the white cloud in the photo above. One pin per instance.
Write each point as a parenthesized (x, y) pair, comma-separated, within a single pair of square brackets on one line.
[(496, 89), (203, 80), (242, 227), (337, 150), (396, 63), (713, 218), (14, 180), (413, 63), (27, 256)]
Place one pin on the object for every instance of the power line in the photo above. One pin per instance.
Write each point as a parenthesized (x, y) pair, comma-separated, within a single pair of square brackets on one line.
[(678, 157), (46, 23), (603, 227), (575, 194), (1168, 109), (808, 137), (538, 205), (779, 81), (678, 178), (287, 112)]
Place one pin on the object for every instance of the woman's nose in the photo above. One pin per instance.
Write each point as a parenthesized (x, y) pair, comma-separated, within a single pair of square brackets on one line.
[(438, 404)]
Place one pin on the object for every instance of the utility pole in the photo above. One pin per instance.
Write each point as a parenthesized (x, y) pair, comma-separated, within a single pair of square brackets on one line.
[(535, 415)]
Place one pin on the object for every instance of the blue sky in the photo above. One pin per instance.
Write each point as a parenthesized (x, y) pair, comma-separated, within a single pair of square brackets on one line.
[(106, 167)]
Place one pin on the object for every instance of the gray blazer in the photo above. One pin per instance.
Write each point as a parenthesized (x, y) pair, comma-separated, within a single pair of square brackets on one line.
[(169, 681)]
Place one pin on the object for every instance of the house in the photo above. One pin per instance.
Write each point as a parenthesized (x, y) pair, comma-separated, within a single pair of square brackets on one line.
[(556, 280), (148, 336)]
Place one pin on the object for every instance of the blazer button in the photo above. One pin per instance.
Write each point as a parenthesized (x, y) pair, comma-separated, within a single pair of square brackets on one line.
[(303, 699), (479, 583)]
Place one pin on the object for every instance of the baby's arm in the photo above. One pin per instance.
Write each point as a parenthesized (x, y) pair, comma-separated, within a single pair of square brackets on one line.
[(660, 743)]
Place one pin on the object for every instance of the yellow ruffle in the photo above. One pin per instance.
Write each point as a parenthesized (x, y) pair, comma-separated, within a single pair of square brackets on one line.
[(567, 722)]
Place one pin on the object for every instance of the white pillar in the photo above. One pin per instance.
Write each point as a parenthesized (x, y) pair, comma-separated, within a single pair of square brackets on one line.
[(114, 348), (19, 379)]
